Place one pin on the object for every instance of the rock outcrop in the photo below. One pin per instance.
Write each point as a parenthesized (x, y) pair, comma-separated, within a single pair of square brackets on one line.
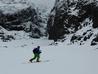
[(20, 15), (77, 20)]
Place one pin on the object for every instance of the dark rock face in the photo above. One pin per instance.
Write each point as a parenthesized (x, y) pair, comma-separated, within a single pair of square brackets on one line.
[(95, 41), (56, 30), (56, 26), (26, 19), (68, 18), (14, 21), (61, 22), (91, 10)]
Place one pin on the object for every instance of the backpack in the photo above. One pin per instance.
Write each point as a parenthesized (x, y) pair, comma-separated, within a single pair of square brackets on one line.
[(36, 50)]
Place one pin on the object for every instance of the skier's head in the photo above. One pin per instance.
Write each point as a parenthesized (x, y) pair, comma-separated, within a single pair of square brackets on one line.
[(38, 46)]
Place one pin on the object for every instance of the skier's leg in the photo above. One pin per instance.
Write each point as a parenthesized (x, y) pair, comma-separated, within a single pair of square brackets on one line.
[(33, 58), (38, 57)]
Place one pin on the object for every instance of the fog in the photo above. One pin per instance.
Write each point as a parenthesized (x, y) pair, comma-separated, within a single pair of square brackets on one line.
[(44, 3)]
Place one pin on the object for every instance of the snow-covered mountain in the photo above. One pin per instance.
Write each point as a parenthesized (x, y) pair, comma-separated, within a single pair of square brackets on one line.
[(27, 15), (74, 20)]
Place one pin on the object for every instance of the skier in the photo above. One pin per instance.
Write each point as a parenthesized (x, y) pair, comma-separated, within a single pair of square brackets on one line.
[(36, 52)]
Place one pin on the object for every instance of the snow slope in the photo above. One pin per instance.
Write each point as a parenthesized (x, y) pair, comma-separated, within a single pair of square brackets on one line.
[(63, 59), (12, 6)]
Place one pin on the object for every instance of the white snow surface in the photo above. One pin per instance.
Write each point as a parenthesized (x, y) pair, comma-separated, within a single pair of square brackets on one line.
[(62, 58)]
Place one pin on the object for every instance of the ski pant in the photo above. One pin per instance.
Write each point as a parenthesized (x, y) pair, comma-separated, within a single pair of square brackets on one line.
[(36, 56)]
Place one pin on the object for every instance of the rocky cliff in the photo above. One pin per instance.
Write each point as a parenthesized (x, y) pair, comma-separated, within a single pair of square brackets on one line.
[(76, 20), (21, 15)]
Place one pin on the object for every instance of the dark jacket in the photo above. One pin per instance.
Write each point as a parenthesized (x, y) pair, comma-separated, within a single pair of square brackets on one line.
[(36, 50)]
